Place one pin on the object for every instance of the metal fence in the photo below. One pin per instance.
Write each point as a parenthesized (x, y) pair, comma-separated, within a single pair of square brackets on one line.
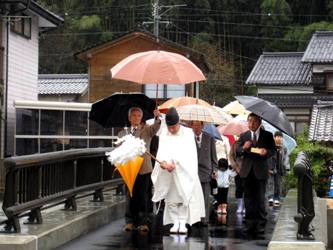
[(34, 181)]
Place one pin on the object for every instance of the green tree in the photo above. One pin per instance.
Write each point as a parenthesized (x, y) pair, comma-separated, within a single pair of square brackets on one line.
[(302, 35), (220, 86), (275, 15)]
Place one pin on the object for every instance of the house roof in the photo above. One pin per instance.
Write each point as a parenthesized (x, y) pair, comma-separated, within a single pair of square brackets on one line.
[(320, 48), (191, 54), (296, 100), (14, 6), (280, 68), (56, 84), (321, 126)]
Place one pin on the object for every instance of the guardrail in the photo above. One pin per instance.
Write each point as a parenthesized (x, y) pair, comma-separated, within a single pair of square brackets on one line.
[(39, 181), (305, 205)]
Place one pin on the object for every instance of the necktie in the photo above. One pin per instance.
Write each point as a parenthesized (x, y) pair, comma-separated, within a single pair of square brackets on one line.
[(254, 141), (197, 138), (133, 131)]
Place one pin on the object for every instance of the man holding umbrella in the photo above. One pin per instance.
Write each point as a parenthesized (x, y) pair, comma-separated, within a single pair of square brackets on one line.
[(139, 206), (255, 146)]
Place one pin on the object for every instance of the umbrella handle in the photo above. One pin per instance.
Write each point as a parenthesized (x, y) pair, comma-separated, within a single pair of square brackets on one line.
[(148, 153)]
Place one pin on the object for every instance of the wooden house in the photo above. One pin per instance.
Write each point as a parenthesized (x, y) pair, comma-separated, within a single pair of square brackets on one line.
[(102, 57)]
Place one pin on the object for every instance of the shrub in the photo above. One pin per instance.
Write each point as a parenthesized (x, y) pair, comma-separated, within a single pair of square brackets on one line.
[(319, 155)]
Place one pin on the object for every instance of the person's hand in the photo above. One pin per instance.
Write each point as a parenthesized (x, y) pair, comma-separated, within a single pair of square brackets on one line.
[(163, 164), (168, 166), (270, 172), (247, 145), (214, 175), (157, 113), (171, 166), (263, 152)]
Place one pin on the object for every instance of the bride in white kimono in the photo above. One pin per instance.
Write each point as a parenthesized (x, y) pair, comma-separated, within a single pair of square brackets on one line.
[(176, 178)]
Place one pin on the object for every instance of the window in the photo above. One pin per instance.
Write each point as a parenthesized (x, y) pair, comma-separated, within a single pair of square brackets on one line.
[(22, 26), (165, 91), (51, 122), (76, 122), (27, 122), (329, 81)]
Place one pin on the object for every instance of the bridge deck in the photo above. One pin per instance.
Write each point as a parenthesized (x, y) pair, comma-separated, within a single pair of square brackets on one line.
[(224, 232)]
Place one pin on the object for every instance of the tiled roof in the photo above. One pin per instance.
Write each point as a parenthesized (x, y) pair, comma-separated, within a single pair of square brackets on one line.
[(320, 48), (280, 68), (51, 84), (321, 126), (296, 100)]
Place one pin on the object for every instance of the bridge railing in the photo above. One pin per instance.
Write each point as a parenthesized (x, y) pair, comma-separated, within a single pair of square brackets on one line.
[(305, 204), (33, 182)]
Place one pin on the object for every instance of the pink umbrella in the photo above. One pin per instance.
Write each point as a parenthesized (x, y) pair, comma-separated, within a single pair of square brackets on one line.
[(234, 127), (157, 67)]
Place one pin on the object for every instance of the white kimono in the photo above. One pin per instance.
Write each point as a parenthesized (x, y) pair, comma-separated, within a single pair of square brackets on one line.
[(182, 185)]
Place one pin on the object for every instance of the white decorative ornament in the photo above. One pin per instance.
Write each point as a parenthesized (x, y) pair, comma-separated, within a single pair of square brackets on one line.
[(129, 148)]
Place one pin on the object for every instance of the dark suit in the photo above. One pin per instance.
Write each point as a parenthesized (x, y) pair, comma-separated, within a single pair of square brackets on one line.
[(206, 163), (254, 173)]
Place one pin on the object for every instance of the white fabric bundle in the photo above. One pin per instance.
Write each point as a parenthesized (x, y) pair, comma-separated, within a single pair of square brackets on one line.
[(130, 148)]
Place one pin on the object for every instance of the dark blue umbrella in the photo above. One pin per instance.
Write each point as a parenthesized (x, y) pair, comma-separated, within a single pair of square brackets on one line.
[(212, 130)]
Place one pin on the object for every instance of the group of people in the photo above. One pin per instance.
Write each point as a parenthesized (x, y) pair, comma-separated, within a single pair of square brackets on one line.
[(188, 159)]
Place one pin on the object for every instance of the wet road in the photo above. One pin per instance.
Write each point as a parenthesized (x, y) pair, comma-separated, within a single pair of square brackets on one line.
[(224, 232)]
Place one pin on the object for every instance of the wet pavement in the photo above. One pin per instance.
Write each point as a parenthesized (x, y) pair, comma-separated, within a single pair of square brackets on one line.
[(224, 232)]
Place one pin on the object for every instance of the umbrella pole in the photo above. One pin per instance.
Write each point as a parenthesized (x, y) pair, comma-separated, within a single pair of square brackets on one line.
[(156, 99), (148, 153)]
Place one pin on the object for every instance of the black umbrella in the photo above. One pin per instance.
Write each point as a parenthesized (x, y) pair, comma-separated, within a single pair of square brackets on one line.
[(267, 111), (112, 111)]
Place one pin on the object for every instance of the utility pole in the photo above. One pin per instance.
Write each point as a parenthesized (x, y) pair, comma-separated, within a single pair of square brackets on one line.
[(156, 22), (157, 16), (156, 19)]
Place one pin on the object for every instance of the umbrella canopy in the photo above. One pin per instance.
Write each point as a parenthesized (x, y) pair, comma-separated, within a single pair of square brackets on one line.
[(196, 112), (267, 111), (234, 127), (157, 67), (113, 110), (235, 108), (127, 158), (225, 116), (181, 101), (288, 141), (212, 130), (129, 172)]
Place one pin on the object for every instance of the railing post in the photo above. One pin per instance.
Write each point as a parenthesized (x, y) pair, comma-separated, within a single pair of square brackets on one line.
[(98, 195), (305, 206), (75, 174)]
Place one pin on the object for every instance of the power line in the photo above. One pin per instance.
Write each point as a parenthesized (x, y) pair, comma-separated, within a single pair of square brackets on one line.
[(253, 13), (238, 24), (185, 32), (211, 12)]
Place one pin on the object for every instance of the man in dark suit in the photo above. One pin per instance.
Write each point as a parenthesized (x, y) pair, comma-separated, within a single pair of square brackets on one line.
[(206, 162), (255, 146)]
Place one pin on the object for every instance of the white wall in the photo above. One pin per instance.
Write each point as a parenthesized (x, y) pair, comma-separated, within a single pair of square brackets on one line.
[(22, 74)]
